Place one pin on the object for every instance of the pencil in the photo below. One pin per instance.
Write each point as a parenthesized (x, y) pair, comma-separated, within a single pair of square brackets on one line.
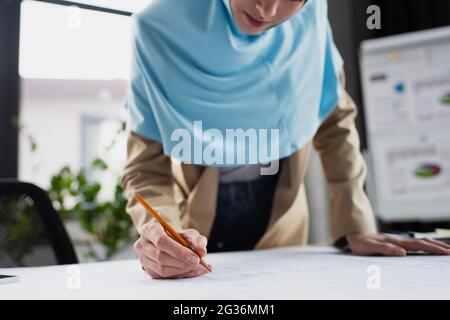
[(177, 237)]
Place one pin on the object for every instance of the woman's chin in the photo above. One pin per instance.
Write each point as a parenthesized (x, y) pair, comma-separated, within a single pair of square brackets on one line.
[(250, 30)]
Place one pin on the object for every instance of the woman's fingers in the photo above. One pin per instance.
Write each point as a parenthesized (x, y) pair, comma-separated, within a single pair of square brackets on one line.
[(419, 245), (158, 236), (375, 247), (150, 251), (387, 249), (197, 272), (199, 243), (197, 240), (439, 243), (158, 271), (152, 274), (163, 271), (394, 246)]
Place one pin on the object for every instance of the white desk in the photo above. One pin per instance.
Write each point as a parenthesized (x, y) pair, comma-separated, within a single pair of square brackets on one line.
[(296, 273)]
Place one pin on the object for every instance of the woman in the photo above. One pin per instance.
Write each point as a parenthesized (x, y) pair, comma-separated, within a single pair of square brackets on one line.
[(255, 66)]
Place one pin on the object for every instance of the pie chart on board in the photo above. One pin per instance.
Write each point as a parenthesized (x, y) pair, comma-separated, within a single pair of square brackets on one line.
[(400, 87), (428, 170)]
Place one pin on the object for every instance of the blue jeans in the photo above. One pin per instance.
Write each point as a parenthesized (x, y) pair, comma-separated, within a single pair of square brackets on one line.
[(242, 215)]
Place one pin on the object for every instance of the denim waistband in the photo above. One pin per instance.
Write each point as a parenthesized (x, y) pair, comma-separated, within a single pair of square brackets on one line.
[(242, 214)]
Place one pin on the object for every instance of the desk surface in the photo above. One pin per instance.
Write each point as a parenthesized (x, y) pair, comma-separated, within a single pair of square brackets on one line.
[(295, 273)]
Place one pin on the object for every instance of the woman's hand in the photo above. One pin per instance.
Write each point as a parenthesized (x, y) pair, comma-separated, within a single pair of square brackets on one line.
[(368, 245), (164, 258)]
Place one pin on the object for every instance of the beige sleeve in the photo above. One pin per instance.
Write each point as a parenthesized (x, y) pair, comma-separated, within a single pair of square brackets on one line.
[(338, 144), (148, 172)]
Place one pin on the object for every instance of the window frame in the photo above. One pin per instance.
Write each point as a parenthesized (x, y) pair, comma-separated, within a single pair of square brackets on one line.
[(10, 78), (87, 6)]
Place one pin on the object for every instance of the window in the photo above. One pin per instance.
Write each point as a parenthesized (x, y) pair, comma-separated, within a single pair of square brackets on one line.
[(74, 67), (122, 5)]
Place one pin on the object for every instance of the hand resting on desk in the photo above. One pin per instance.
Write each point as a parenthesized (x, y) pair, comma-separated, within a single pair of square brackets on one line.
[(164, 258), (380, 244)]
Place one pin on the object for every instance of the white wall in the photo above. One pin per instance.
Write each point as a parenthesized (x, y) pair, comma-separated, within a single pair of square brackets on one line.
[(53, 117)]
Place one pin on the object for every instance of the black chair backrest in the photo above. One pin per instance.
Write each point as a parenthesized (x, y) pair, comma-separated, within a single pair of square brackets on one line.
[(31, 231)]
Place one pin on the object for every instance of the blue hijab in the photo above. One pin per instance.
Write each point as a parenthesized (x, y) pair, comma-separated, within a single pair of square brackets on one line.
[(191, 63)]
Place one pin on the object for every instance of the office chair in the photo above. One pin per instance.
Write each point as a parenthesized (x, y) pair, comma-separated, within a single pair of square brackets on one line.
[(31, 231)]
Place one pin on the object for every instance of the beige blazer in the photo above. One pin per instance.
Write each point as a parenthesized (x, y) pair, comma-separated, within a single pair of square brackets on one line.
[(186, 194)]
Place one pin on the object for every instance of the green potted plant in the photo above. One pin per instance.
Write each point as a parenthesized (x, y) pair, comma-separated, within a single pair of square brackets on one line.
[(75, 195)]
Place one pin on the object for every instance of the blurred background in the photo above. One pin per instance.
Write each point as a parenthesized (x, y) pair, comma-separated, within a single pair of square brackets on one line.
[(63, 74)]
